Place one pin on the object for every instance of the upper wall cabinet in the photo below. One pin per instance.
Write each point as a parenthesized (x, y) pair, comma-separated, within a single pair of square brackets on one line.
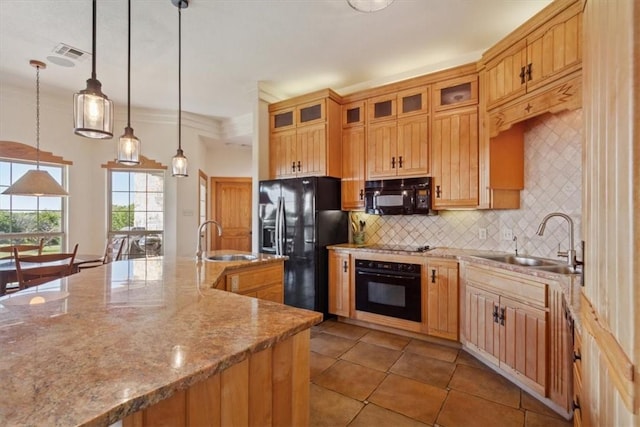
[(353, 155), (405, 103), (305, 137), (524, 62), (455, 93)]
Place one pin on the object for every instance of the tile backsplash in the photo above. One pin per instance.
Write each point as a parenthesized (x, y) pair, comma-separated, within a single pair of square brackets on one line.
[(553, 183)]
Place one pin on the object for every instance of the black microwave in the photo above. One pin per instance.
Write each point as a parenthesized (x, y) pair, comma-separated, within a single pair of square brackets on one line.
[(407, 196)]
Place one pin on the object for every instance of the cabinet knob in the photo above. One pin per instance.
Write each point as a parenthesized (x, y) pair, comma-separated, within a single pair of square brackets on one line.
[(344, 266), (522, 74), (433, 275), (495, 314), (575, 404), (502, 316), (293, 166), (400, 162), (298, 165), (438, 192), (361, 194), (393, 163), (529, 71), (576, 356)]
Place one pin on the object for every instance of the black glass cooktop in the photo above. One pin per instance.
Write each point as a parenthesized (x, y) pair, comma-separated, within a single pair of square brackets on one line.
[(403, 248)]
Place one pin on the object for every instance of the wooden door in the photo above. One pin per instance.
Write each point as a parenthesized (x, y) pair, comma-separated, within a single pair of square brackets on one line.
[(523, 342), (311, 150), (382, 144), (413, 101), (353, 168), (282, 154), (442, 299), (232, 209), (506, 75), (556, 49), (454, 153), (413, 146), (339, 273), (480, 328)]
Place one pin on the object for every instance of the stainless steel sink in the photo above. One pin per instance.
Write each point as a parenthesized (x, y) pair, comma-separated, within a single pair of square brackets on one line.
[(525, 261), (561, 269), (540, 264), (231, 257)]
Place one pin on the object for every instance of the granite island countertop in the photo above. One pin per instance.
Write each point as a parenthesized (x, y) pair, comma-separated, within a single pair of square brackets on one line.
[(112, 340)]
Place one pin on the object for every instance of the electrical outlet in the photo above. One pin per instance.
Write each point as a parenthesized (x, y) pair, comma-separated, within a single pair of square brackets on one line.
[(507, 234), (482, 233)]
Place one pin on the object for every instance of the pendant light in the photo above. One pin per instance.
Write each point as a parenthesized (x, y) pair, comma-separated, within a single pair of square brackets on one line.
[(369, 5), (128, 150), (179, 162), (92, 110), (36, 182)]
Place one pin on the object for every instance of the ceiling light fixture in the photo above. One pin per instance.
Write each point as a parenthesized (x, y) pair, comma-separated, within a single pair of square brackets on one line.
[(369, 5), (179, 162), (92, 110), (36, 182), (128, 149)]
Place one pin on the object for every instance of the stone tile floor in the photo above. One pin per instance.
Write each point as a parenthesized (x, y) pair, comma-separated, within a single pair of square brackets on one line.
[(364, 377)]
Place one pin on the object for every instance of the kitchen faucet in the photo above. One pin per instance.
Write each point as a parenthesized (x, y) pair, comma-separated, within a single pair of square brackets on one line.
[(570, 253), (199, 246)]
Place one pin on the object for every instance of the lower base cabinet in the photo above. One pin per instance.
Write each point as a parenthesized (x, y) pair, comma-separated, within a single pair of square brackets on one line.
[(270, 387), (264, 282), (442, 299), (439, 290)]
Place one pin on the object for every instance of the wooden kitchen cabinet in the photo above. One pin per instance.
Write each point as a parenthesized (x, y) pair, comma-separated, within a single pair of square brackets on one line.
[(264, 282), (353, 167), (455, 157), (404, 103), (339, 283), (398, 148), (455, 93), (305, 136), (546, 48), (506, 323), (442, 298)]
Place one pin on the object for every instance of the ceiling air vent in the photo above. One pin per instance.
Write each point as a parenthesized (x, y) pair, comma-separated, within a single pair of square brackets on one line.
[(70, 52)]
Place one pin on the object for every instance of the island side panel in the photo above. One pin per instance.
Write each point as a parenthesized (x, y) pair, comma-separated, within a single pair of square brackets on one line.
[(271, 387)]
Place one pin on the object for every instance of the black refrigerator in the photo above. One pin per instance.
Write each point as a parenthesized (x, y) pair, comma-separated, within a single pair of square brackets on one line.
[(299, 217)]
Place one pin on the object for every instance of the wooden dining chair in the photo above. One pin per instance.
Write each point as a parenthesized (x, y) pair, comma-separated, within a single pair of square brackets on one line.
[(9, 250), (112, 252), (38, 269)]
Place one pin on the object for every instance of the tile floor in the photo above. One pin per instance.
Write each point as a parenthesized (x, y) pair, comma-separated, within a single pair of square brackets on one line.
[(364, 377)]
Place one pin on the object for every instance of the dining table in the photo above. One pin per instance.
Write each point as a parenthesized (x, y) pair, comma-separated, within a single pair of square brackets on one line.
[(8, 273)]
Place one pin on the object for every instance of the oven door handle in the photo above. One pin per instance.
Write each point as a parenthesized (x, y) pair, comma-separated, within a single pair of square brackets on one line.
[(403, 276)]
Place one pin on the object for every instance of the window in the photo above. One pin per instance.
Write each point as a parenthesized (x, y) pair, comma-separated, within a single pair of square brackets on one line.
[(136, 210), (27, 219)]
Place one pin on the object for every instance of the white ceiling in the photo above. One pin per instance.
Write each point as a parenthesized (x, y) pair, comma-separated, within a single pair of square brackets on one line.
[(228, 46)]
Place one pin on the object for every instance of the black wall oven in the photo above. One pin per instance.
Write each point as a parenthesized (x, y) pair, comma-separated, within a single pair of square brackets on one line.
[(389, 289)]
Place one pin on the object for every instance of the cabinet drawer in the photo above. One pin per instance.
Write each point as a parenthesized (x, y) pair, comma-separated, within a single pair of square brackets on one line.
[(513, 285), (251, 279)]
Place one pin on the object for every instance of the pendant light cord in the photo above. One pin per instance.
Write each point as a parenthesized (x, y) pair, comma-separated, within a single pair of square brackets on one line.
[(93, 43), (129, 69), (37, 117), (180, 76)]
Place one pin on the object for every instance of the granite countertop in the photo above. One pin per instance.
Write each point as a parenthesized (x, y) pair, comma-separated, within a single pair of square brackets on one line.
[(568, 283), (114, 339)]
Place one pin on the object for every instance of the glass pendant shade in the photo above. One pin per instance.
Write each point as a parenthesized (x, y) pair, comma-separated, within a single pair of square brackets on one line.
[(36, 183), (369, 5), (179, 164), (128, 148), (93, 112)]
